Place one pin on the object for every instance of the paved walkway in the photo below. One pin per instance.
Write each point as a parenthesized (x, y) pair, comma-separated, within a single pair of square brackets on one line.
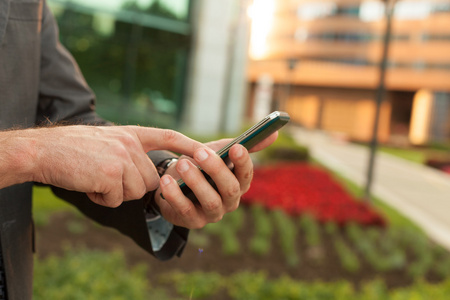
[(419, 192)]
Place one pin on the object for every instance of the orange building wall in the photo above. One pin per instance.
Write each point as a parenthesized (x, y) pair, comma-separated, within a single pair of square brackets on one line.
[(348, 113)]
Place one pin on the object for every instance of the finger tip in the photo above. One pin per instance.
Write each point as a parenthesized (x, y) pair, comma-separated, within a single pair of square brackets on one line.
[(165, 180), (238, 151)]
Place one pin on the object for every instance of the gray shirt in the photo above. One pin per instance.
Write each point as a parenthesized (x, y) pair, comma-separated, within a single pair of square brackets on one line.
[(39, 83)]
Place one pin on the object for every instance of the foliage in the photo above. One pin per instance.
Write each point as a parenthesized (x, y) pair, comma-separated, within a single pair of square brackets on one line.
[(399, 247), (423, 258), (310, 227), (285, 148), (330, 228), (196, 285), (227, 230), (383, 253), (442, 262), (250, 285), (262, 239), (82, 274), (247, 285), (349, 260), (423, 290), (287, 232), (45, 203)]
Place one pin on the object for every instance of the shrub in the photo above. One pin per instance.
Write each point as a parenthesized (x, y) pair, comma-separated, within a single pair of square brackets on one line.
[(285, 148), (195, 285), (423, 257), (89, 275), (375, 290), (423, 290), (247, 285), (257, 286), (442, 262)]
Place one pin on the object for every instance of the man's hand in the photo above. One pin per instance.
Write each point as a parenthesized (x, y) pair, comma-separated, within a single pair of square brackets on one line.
[(179, 210), (110, 164)]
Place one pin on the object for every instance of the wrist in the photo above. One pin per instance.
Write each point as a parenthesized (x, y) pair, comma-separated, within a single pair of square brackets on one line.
[(17, 157)]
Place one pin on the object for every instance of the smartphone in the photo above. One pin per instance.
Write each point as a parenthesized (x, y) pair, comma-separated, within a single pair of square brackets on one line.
[(248, 139)]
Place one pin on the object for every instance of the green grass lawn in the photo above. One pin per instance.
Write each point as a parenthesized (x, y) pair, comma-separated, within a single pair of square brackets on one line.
[(414, 155)]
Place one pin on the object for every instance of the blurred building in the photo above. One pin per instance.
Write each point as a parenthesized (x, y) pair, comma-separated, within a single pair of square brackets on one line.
[(166, 63), (323, 58)]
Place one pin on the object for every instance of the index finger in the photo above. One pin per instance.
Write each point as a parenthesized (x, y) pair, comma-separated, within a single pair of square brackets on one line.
[(166, 139)]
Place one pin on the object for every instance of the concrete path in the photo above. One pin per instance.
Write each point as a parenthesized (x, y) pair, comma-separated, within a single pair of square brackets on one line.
[(420, 193)]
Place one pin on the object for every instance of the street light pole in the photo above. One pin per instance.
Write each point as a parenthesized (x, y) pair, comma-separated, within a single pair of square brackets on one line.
[(379, 96)]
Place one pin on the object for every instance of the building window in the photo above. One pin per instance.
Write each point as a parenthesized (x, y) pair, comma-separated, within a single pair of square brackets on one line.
[(132, 53)]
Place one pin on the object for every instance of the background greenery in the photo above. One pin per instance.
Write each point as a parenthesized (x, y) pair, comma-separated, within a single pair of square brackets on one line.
[(402, 246)]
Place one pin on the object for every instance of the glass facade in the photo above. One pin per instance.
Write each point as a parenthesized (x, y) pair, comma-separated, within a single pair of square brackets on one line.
[(133, 54)]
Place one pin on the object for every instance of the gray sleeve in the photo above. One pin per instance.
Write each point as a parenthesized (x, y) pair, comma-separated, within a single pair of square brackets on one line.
[(63, 92)]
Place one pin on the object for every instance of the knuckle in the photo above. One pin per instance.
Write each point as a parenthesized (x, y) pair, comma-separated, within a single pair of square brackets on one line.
[(212, 205), (169, 135), (112, 170), (186, 211), (233, 191), (248, 175), (128, 140), (120, 151), (139, 193)]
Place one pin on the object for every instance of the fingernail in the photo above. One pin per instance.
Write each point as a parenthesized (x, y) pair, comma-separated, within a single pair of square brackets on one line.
[(165, 180), (201, 155), (239, 151), (183, 166)]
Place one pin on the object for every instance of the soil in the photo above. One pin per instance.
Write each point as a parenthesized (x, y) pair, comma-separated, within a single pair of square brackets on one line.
[(320, 263)]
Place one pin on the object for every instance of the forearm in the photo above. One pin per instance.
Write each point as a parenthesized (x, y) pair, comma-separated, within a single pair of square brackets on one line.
[(17, 157)]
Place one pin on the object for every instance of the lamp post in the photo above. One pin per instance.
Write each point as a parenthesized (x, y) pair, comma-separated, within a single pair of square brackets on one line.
[(389, 10)]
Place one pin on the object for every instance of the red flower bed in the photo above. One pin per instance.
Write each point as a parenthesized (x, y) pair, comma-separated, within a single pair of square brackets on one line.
[(301, 188)]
